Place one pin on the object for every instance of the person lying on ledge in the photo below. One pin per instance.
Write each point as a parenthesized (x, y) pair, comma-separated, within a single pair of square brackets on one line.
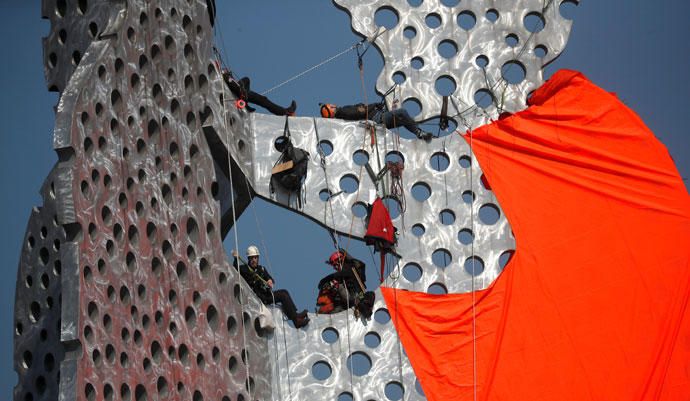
[(242, 91), (377, 112)]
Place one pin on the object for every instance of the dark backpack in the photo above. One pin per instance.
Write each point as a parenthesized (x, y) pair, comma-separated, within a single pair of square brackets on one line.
[(365, 304), (290, 170), (292, 178)]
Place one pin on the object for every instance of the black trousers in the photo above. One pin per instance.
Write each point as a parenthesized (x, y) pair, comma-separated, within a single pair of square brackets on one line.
[(283, 298), (241, 90)]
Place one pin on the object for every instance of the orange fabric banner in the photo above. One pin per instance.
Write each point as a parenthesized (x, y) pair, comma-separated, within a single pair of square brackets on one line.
[(594, 303)]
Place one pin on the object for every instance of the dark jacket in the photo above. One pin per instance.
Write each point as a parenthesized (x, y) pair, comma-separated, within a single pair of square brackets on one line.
[(257, 278), (359, 111), (347, 275)]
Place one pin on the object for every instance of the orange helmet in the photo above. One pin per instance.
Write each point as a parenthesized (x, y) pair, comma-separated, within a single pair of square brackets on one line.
[(328, 110)]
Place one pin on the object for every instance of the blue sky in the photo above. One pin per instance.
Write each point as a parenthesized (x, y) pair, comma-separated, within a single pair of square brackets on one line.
[(633, 48)]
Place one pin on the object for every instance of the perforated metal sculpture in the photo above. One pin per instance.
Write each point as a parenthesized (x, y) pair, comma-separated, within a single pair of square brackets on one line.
[(142, 302)]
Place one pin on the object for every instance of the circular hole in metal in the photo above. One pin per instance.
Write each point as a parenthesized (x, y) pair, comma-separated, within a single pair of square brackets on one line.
[(474, 265), (90, 392), (413, 106), (534, 22), (541, 51), (437, 289), (395, 157), (465, 161), (399, 77), (372, 339), (445, 86), (512, 40), (465, 236), (415, 3), (492, 15), (513, 72), (359, 209), (330, 335), (412, 272), (382, 316), (345, 397), (349, 183), (568, 9), (483, 98), (386, 17), (393, 206), (466, 20), (450, 3), (360, 157), (447, 48), (468, 196), (326, 147), (162, 386), (321, 370), (212, 317), (231, 325), (418, 230), (489, 214), (439, 161), (359, 363), (441, 258), (504, 259), (394, 391), (433, 20), (417, 63), (482, 61), (447, 217), (324, 195), (409, 32), (421, 191)]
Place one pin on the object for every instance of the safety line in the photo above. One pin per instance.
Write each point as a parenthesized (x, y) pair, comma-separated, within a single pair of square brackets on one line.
[(310, 69), (237, 248)]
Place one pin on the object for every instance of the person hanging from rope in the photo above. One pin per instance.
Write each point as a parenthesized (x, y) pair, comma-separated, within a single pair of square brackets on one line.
[(240, 88), (262, 284), (346, 287), (398, 117)]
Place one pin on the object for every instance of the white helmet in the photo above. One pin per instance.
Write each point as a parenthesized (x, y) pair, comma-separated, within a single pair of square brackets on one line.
[(252, 251)]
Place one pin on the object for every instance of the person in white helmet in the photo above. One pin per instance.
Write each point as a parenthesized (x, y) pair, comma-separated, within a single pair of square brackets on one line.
[(262, 284)]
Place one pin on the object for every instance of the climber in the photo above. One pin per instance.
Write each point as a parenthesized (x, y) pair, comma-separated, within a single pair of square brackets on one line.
[(242, 91), (398, 117), (345, 287), (262, 284)]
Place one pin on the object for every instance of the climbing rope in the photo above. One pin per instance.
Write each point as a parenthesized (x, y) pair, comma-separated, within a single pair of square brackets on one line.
[(329, 203), (500, 81), (236, 235), (474, 296), (270, 270), (312, 68)]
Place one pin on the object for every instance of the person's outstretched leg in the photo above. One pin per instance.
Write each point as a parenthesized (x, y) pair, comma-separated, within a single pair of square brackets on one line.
[(263, 101), (283, 298), (288, 306), (400, 117)]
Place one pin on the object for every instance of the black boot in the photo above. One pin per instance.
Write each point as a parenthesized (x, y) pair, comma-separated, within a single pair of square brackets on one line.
[(302, 314), (421, 134), (301, 320), (290, 110)]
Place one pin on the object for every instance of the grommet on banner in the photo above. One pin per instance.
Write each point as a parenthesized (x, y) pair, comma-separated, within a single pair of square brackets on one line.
[(240, 104)]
